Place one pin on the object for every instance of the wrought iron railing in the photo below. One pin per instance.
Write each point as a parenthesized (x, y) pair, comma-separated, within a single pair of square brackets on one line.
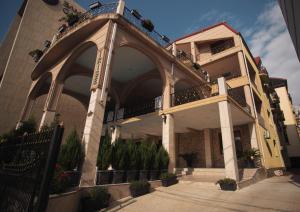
[(222, 46), (187, 95), (157, 37), (237, 95), (104, 9), (227, 76)]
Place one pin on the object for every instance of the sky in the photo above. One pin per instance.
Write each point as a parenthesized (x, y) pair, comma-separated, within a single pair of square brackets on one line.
[(260, 22)]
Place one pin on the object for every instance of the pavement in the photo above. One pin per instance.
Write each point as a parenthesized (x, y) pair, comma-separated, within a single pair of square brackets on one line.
[(272, 194)]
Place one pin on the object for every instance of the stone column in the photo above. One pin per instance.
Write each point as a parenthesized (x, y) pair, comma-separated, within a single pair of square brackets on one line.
[(51, 103), (26, 111), (91, 137), (249, 100), (207, 147), (168, 130), (193, 51), (230, 160), (115, 134)]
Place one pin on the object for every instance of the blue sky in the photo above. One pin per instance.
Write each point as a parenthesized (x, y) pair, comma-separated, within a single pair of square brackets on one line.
[(260, 22)]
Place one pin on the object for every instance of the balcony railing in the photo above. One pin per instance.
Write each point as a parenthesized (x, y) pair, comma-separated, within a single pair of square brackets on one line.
[(227, 76), (104, 9), (222, 46), (237, 95), (187, 95), (140, 109)]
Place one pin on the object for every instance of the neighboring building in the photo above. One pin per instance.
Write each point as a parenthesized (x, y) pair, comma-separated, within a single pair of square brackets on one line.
[(35, 22), (112, 71), (290, 11), (297, 116), (281, 87)]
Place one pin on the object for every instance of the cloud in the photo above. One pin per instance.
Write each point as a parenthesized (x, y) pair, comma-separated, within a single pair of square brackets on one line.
[(270, 40), (212, 17)]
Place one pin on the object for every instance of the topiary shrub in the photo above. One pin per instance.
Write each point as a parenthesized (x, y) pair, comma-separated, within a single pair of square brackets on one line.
[(139, 188), (119, 161), (168, 179), (134, 160), (71, 154), (162, 159), (59, 182), (98, 198), (154, 170)]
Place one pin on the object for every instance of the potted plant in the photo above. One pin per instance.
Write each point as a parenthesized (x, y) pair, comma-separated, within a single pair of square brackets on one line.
[(189, 158), (145, 161), (72, 19), (251, 157), (154, 169), (97, 199), (227, 184), (71, 156), (139, 188), (134, 161), (104, 161), (36, 54), (119, 161), (168, 179), (147, 24), (59, 182)]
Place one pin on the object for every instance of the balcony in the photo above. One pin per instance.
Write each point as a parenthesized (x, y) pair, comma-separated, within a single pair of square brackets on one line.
[(221, 46)]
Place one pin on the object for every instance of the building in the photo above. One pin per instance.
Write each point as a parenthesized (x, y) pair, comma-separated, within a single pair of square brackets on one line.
[(111, 70), (289, 9), (290, 122)]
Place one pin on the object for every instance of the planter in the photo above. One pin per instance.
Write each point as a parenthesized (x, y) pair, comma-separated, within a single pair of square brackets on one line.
[(72, 20), (144, 175), (228, 187), (154, 174), (73, 178), (147, 24), (139, 188), (91, 205), (132, 175), (104, 177), (118, 176), (169, 181)]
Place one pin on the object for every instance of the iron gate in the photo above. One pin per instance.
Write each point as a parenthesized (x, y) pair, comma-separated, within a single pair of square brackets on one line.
[(26, 167)]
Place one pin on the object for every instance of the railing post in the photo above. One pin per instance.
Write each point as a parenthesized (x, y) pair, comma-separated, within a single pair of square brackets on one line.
[(121, 7)]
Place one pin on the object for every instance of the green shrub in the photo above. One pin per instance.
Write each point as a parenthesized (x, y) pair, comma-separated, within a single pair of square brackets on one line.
[(226, 181), (138, 188), (162, 159), (152, 156), (120, 155), (165, 176), (145, 156), (133, 156), (59, 182), (71, 154), (100, 194), (104, 153)]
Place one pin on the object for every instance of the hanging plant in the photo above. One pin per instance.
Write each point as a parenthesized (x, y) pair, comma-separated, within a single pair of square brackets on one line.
[(36, 54), (147, 24)]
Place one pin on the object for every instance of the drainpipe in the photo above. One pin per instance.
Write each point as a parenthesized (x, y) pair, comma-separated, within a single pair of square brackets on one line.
[(252, 97)]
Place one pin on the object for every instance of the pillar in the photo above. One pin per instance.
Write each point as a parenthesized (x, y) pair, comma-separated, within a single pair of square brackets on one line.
[(249, 100), (26, 111), (116, 133), (230, 160), (168, 129), (91, 138), (51, 103), (207, 148), (193, 52)]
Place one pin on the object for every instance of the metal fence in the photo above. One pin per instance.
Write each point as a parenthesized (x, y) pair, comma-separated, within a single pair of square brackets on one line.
[(187, 95), (26, 167)]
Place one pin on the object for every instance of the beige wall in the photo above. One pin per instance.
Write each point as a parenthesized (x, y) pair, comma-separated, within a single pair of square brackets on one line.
[(290, 122), (39, 23)]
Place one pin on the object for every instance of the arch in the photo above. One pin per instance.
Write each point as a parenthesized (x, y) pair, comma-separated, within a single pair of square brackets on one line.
[(64, 72), (150, 55), (36, 90)]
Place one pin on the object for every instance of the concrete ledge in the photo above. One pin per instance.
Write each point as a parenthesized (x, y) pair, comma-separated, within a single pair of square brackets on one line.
[(70, 201)]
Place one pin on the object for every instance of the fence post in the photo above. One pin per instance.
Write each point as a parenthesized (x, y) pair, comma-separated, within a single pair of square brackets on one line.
[(49, 170)]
